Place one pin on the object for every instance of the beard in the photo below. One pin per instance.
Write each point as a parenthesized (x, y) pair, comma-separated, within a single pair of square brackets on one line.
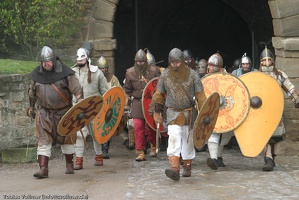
[(81, 64), (267, 69)]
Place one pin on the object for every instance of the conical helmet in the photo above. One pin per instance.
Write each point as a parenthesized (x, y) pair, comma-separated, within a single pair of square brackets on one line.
[(140, 56), (102, 62), (150, 58), (266, 55)]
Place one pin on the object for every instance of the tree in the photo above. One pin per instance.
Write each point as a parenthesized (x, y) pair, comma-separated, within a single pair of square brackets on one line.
[(31, 24)]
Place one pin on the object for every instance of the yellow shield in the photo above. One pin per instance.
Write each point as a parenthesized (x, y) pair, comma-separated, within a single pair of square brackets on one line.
[(234, 100), (266, 107), (206, 120), (80, 115), (107, 120)]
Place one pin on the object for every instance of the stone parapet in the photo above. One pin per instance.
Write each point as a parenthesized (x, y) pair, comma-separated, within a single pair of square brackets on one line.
[(16, 129)]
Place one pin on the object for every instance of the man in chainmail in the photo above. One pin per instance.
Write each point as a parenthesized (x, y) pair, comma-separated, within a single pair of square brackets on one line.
[(180, 84)]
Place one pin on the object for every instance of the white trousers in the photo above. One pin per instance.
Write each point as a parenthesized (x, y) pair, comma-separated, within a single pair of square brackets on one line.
[(216, 149), (179, 143), (45, 150), (79, 146)]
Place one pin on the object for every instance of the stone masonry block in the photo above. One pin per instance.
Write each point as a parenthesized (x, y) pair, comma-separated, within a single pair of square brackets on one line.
[(287, 27), (104, 10), (283, 8), (104, 44), (287, 54), (290, 44), (100, 29), (288, 65)]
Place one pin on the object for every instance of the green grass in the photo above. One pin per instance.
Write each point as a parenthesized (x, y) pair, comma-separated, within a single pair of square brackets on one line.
[(8, 66)]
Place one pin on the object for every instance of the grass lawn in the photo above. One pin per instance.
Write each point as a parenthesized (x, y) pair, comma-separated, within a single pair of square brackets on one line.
[(8, 66)]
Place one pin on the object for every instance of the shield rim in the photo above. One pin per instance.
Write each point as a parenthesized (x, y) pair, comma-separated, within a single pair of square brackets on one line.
[(217, 101)]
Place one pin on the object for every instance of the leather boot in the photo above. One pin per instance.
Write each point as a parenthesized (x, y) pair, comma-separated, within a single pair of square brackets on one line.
[(105, 148), (69, 163), (220, 162), (174, 171), (98, 160), (141, 155), (269, 164), (187, 168), (212, 163), (153, 150), (79, 163), (43, 164)]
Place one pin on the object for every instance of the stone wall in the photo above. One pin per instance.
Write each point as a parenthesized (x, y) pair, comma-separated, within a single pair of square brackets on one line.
[(285, 14), (16, 129)]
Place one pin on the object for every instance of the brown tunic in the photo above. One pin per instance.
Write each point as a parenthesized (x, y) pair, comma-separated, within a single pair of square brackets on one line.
[(134, 86), (51, 107)]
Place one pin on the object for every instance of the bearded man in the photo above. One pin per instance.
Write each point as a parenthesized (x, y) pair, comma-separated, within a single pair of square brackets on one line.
[(136, 79), (180, 84), (267, 66)]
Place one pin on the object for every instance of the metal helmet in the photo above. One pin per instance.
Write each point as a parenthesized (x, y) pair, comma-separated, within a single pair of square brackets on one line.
[(202, 66), (150, 58), (175, 55), (187, 54), (216, 60), (47, 54), (102, 62), (82, 54), (266, 55), (140, 56), (245, 59), (237, 63)]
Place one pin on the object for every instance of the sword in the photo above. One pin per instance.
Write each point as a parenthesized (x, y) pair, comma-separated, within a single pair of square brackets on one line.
[(158, 136)]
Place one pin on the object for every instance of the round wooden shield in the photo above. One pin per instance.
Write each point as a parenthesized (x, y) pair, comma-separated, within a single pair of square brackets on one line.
[(80, 115), (147, 95), (107, 120), (121, 126), (206, 120), (234, 100), (266, 108)]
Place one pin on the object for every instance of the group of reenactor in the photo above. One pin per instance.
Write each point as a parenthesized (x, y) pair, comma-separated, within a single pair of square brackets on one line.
[(192, 103)]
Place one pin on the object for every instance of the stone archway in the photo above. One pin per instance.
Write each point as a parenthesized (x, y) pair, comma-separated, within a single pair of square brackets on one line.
[(285, 13)]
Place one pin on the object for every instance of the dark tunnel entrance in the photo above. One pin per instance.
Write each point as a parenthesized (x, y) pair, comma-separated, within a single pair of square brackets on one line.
[(231, 27)]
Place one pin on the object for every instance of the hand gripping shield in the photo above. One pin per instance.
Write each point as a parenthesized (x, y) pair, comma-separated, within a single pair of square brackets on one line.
[(206, 120), (266, 108), (80, 115), (234, 100), (107, 120)]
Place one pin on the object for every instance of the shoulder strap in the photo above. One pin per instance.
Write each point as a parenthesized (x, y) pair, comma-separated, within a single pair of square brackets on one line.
[(60, 93)]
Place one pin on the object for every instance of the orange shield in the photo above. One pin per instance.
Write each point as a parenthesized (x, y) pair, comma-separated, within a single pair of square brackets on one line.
[(147, 95), (206, 120), (80, 115), (107, 120), (234, 100), (266, 107)]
